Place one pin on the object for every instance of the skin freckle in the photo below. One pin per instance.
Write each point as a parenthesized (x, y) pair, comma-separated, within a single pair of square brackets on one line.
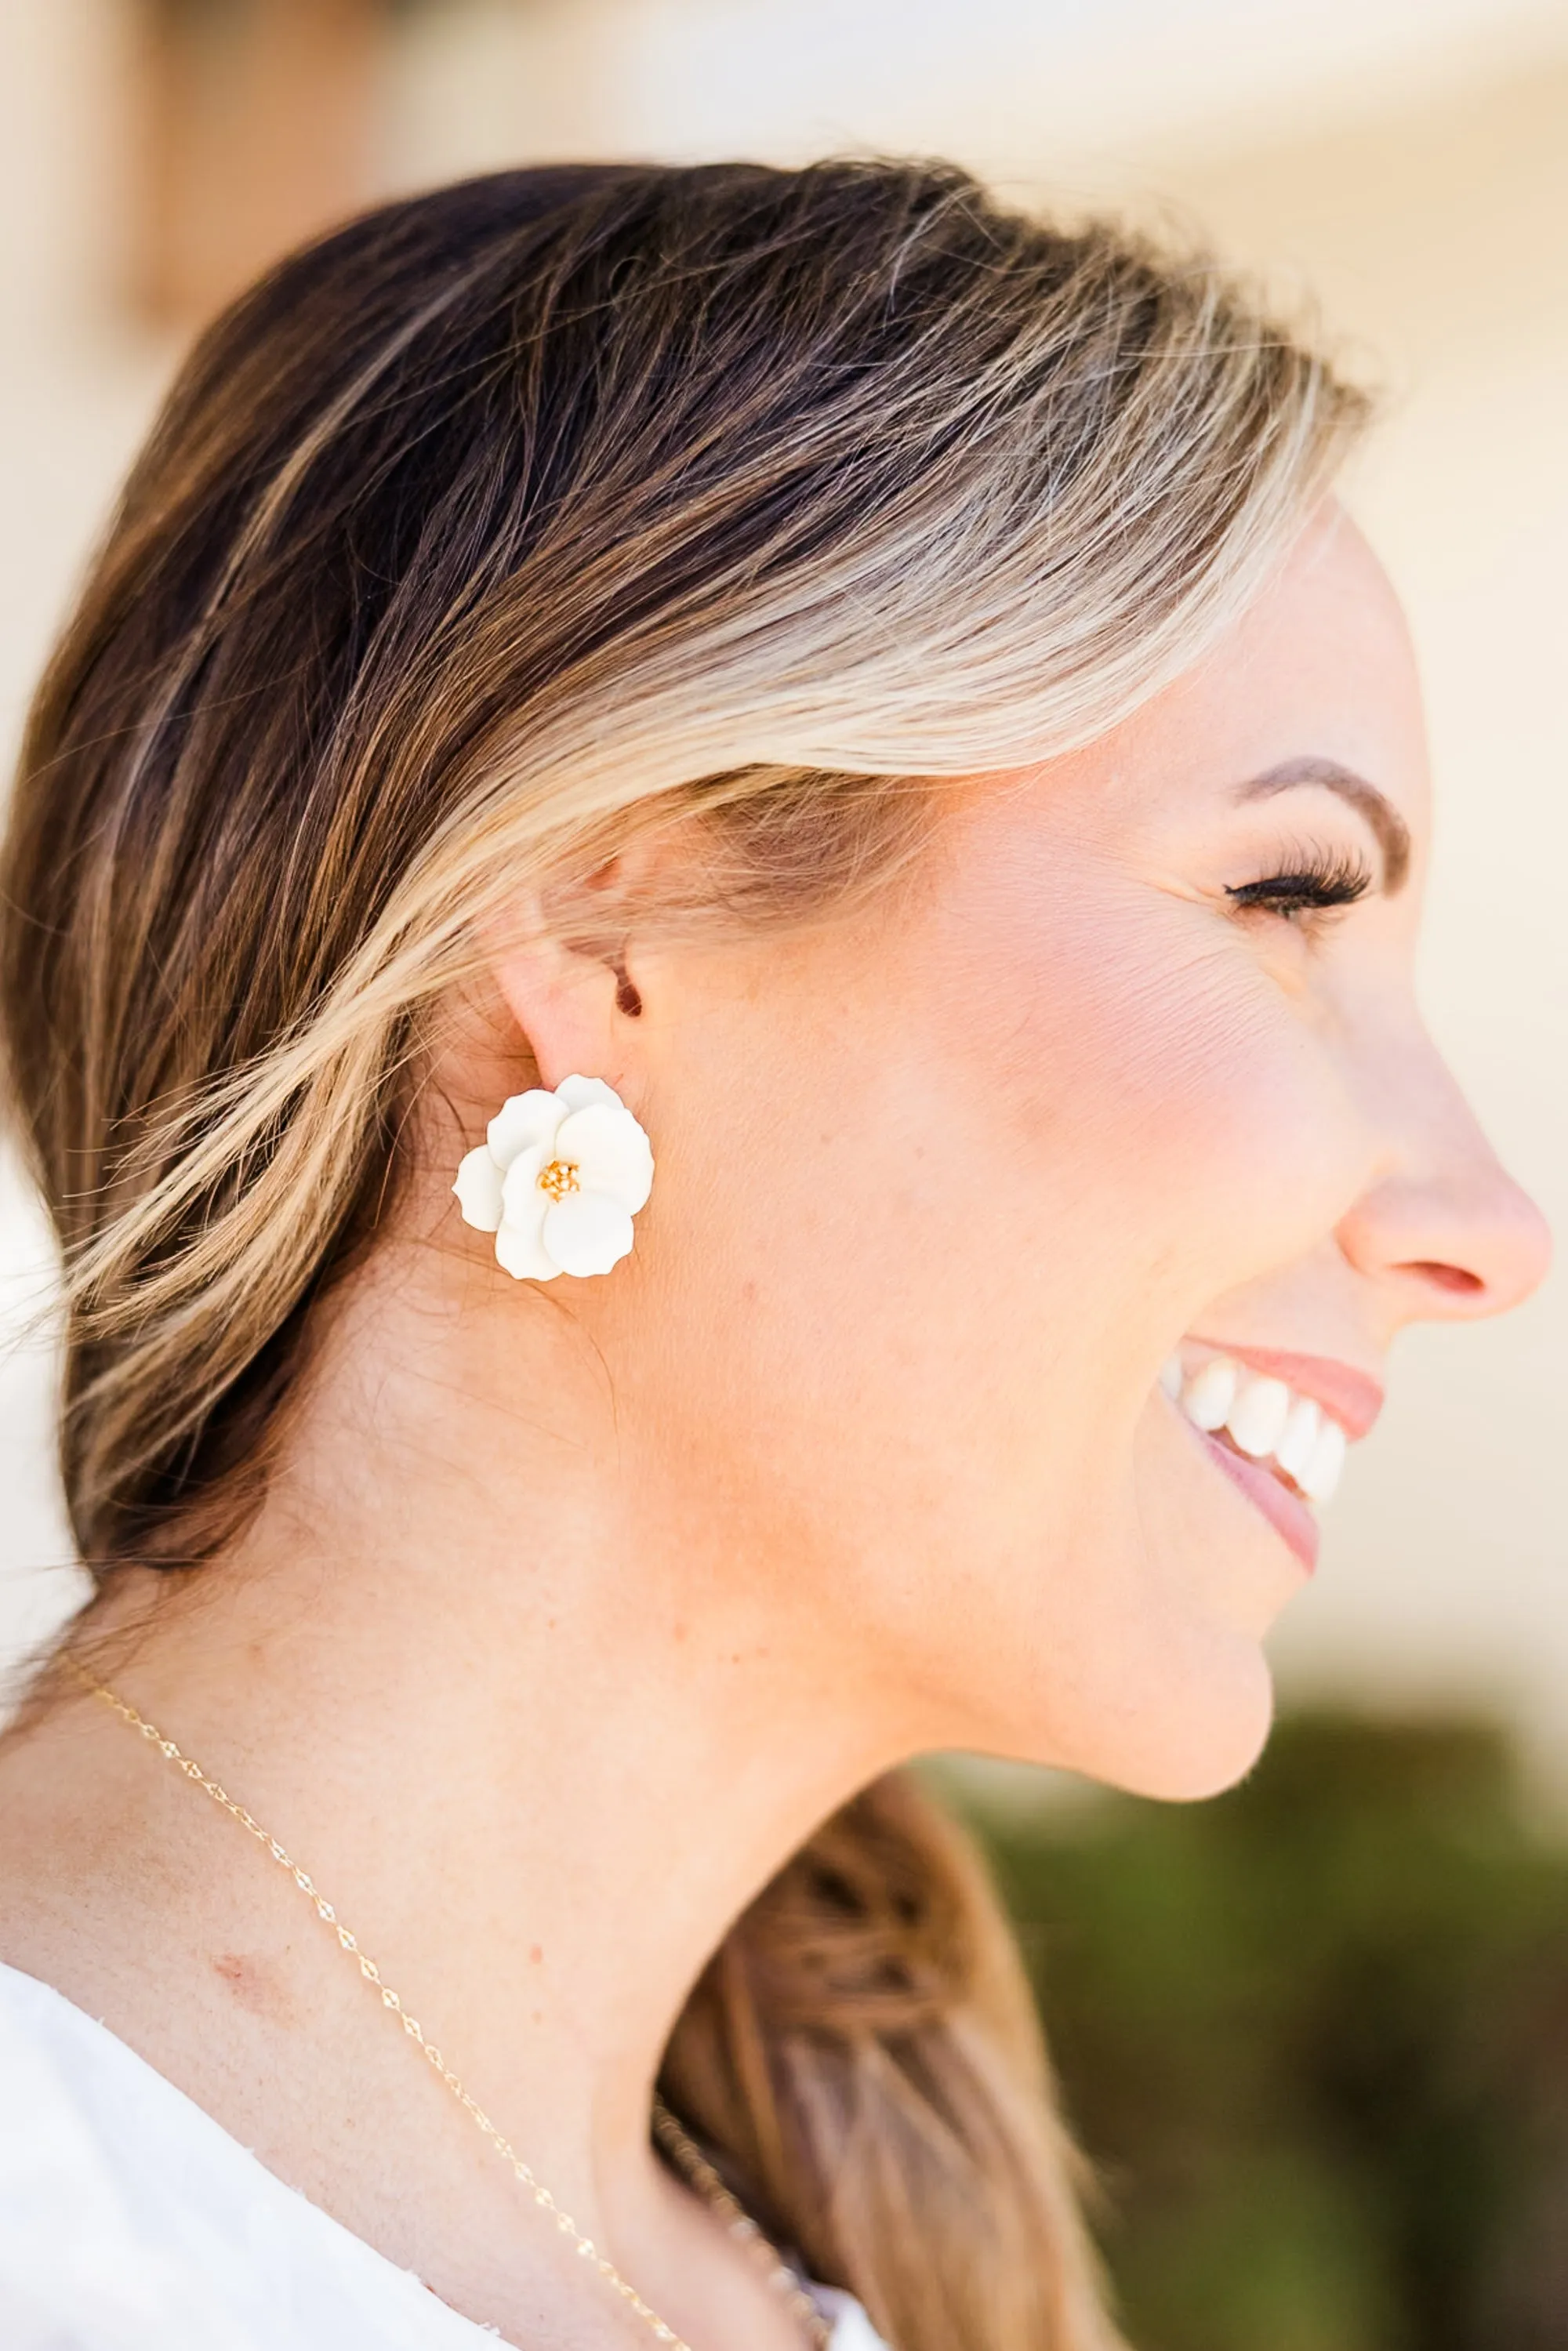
[(255, 1985)]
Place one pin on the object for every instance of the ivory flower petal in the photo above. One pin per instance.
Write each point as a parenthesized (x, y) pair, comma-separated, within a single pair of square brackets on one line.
[(578, 1092), (522, 1120), (610, 1152), (523, 1204), (520, 1250), (588, 1232), (478, 1189)]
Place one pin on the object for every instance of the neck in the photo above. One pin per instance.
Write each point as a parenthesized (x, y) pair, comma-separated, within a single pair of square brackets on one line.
[(494, 1687)]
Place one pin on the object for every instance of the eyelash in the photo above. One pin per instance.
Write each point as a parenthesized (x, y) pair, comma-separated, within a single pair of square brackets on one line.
[(1315, 884)]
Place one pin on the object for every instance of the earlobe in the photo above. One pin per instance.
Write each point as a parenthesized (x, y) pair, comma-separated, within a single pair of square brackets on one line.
[(570, 1005), (561, 966), (565, 1165)]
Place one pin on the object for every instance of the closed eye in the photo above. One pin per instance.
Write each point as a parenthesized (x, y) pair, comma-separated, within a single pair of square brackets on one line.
[(1314, 883)]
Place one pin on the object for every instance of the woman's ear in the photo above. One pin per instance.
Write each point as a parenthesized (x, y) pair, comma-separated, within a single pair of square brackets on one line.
[(572, 988)]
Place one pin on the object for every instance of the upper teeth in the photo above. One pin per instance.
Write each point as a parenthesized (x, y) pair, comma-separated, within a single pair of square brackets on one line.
[(1264, 1419)]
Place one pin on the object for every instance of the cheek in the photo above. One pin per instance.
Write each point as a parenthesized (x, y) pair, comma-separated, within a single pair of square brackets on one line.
[(1182, 1111), (926, 1244)]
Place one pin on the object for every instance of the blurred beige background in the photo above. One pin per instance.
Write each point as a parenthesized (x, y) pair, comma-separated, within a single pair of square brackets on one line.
[(1406, 158)]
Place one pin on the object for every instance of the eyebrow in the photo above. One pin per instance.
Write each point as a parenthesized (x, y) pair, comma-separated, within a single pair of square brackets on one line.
[(1393, 832)]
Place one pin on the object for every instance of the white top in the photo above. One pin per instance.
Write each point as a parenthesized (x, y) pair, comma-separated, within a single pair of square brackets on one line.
[(130, 2220)]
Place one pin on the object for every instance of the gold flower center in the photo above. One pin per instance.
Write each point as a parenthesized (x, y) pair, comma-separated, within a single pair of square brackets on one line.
[(559, 1178)]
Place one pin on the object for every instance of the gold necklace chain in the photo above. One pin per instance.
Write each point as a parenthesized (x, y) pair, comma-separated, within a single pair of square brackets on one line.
[(689, 2160), (681, 2149)]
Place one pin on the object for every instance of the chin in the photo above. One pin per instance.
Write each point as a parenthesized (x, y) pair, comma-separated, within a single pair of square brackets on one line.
[(1186, 1735), (1209, 1742)]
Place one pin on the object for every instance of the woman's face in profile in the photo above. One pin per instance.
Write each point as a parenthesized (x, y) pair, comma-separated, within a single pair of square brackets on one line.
[(950, 1189)]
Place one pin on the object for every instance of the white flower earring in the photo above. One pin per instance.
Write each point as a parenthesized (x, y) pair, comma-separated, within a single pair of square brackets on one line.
[(557, 1180)]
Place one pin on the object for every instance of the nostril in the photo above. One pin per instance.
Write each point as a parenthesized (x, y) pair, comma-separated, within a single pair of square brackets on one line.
[(1445, 1277)]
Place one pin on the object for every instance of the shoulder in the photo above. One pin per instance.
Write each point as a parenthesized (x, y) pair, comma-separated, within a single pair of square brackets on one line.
[(96, 2251), (129, 2218), (73, 2270)]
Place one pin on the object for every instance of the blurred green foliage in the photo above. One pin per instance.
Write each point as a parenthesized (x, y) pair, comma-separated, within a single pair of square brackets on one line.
[(1314, 2035)]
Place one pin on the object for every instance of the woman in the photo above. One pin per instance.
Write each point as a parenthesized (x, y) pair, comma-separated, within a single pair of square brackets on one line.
[(819, 755)]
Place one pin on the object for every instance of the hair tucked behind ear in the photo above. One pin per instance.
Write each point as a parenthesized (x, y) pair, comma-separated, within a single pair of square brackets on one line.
[(507, 520)]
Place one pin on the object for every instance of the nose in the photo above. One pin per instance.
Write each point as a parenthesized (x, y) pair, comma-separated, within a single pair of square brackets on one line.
[(1443, 1228)]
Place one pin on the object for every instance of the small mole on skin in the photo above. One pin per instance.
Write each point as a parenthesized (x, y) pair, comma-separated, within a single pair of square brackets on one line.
[(536, 1953)]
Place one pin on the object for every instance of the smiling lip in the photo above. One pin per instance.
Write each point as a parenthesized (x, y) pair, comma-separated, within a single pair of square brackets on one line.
[(1354, 1398), (1284, 1509)]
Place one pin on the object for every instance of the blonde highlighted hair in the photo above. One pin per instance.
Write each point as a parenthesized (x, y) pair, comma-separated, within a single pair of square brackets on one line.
[(504, 521)]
